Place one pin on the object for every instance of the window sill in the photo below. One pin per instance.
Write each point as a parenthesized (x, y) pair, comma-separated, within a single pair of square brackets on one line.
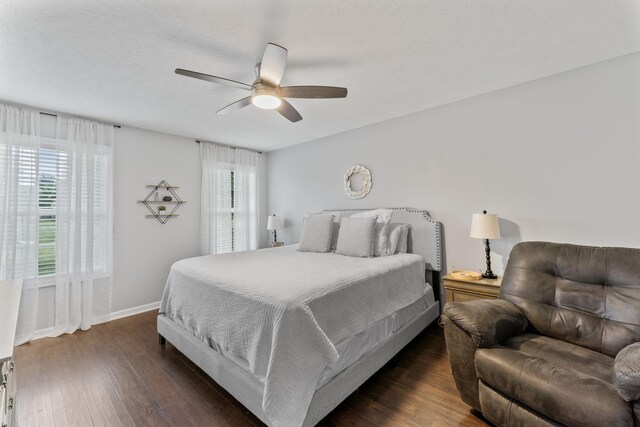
[(46, 282), (49, 281)]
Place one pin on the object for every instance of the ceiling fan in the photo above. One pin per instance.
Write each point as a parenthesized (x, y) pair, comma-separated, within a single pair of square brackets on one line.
[(266, 91)]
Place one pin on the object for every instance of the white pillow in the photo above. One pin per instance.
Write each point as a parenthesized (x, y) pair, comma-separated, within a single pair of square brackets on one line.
[(316, 234), (402, 242), (383, 218), (396, 232), (356, 237), (337, 216)]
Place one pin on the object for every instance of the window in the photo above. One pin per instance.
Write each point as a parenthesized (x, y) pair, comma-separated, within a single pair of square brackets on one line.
[(229, 199), (52, 164), (237, 210), (49, 169)]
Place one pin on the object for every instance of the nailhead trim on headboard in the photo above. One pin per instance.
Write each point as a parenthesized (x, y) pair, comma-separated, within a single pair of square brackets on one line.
[(425, 215)]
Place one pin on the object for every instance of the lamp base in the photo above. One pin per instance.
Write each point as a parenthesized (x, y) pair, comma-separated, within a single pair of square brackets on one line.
[(489, 273)]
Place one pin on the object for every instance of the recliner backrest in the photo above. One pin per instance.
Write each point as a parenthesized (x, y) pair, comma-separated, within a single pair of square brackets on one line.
[(589, 296)]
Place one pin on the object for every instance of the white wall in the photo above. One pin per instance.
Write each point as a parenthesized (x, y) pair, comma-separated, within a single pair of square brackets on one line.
[(143, 248), (557, 159)]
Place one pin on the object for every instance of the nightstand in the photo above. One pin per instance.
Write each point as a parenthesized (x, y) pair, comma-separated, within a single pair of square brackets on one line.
[(468, 290)]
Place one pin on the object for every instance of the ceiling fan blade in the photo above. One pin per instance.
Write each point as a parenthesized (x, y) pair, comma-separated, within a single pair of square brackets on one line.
[(313, 92), (273, 64), (289, 112), (235, 106), (214, 79)]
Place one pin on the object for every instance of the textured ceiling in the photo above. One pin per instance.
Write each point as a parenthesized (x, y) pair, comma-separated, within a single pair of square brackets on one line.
[(114, 60)]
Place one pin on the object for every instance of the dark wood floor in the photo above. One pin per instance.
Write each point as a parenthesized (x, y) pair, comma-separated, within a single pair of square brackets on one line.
[(117, 374)]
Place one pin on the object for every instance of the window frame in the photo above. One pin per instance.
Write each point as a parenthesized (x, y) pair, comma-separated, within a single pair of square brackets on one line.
[(48, 280)]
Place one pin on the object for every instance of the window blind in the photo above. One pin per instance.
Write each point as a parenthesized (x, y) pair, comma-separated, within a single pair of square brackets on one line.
[(229, 203), (47, 169), (224, 201), (51, 165)]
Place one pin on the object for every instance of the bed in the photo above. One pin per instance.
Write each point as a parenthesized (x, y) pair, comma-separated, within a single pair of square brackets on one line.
[(291, 334)]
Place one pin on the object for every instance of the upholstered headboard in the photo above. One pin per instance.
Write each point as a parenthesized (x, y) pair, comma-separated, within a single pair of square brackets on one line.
[(424, 236)]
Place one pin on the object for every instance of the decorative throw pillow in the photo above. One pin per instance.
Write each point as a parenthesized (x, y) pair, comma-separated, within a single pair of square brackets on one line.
[(356, 237), (337, 217), (316, 234), (403, 241), (396, 232), (383, 218)]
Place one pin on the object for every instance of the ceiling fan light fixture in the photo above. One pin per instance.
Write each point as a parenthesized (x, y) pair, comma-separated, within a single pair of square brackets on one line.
[(265, 97), (267, 102)]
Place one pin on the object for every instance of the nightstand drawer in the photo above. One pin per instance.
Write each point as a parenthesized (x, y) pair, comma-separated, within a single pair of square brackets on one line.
[(453, 296), (471, 290)]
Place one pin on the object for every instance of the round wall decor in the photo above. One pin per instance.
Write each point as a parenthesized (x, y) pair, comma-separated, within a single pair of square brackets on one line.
[(357, 190)]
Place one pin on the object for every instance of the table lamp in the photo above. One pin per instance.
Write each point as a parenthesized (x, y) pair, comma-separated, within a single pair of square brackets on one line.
[(274, 223), (485, 226)]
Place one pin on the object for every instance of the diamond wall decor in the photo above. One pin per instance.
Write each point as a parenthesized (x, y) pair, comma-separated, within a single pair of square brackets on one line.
[(153, 204)]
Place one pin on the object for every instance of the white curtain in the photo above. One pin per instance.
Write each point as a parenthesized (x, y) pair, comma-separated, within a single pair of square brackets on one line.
[(19, 219), (84, 221), (229, 208), (56, 218)]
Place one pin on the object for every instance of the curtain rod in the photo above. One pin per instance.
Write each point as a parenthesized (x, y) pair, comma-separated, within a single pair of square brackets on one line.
[(55, 115), (235, 148)]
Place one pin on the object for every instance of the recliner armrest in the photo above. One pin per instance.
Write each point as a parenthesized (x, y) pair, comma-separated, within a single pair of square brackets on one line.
[(488, 322), (626, 372)]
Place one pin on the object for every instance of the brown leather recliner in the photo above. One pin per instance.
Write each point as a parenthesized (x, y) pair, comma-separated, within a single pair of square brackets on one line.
[(561, 345)]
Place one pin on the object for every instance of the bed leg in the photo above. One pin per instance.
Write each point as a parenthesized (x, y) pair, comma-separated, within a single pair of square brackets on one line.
[(161, 339)]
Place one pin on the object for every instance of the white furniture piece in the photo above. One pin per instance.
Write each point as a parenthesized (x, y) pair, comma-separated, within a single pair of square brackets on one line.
[(424, 239), (10, 291)]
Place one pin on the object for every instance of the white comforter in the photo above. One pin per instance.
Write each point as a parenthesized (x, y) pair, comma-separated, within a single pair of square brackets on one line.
[(283, 311)]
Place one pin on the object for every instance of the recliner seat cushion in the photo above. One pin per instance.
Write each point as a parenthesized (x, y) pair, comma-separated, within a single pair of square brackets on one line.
[(564, 354), (563, 394)]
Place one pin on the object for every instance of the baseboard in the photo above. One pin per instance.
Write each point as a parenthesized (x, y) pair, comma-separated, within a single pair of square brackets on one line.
[(50, 332), (134, 310)]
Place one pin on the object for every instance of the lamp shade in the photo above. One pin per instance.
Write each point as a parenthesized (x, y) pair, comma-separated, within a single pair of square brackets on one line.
[(485, 226), (274, 223)]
